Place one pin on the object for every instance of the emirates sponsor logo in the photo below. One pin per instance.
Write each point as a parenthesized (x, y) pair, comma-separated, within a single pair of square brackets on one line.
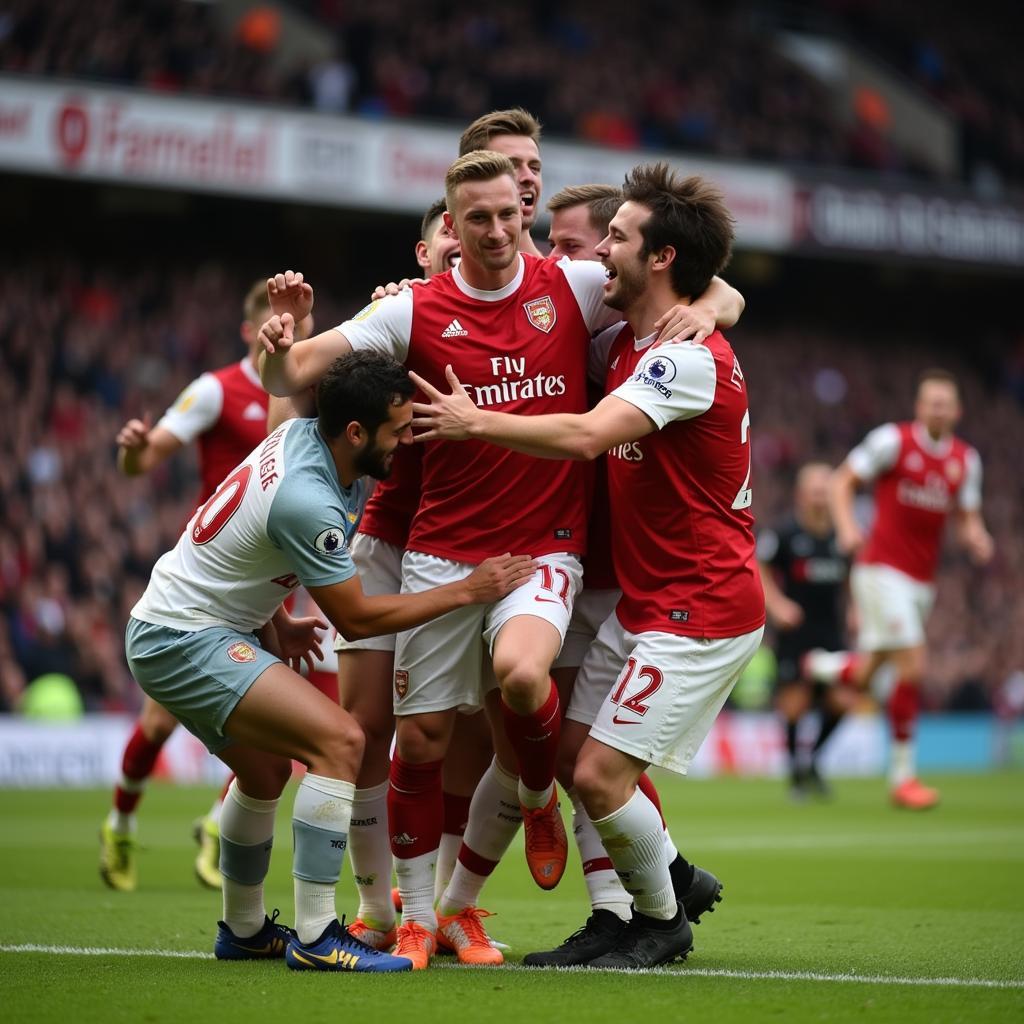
[(455, 330), (628, 452), (932, 496)]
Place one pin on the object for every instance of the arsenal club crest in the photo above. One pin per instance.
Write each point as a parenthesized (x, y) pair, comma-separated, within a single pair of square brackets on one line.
[(401, 683), (541, 313), (241, 652)]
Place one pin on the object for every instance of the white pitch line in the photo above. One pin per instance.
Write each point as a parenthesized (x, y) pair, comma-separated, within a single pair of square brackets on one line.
[(681, 972)]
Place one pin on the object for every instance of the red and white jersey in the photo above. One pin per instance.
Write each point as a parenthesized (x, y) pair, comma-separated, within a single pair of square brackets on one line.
[(918, 482), (520, 349), (392, 506), (226, 411), (683, 537)]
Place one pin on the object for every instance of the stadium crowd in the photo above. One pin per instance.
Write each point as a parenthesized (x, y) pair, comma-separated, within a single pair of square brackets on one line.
[(86, 350), (722, 87)]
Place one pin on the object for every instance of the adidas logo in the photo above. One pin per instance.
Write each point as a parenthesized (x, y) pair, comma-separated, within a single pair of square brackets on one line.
[(403, 840), (615, 362), (455, 330), (254, 411)]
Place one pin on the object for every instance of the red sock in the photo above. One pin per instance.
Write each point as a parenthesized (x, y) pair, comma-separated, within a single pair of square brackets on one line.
[(848, 673), (472, 861), (903, 709), (646, 787), (137, 765), (415, 807), (456, 813), (534, 738)]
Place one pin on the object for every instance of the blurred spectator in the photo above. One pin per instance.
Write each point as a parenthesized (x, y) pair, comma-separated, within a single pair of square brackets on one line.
[(78, 540), (695, 76)]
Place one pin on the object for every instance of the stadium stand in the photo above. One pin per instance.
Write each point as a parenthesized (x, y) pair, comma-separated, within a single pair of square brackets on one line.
[(84, 350), (727, 86)]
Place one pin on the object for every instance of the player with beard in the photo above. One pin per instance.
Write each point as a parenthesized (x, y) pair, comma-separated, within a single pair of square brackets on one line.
[(676, 425), (521, 327), (285, 516), (224, 412)]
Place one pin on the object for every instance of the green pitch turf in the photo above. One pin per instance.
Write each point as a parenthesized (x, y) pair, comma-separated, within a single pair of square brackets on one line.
[(840, 911)]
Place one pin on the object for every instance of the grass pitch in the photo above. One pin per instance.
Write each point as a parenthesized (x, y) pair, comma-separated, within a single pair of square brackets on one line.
[(839, 911)]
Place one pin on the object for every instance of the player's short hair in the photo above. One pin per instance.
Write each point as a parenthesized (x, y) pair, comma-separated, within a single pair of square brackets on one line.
[(361, 386), (690, 215), (435, 210), (256, 304), (478, 165), (938, 374), (602, 201), (515, 121)]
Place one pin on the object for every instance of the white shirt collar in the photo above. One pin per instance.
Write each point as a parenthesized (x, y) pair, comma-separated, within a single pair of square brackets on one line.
[(938, 448), (489, 296), (250, 371)]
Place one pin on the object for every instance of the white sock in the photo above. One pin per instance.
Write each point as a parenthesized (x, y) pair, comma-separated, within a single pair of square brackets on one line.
[(533, 798), (671, 852), (247, 822), (901, 762), (369, 849), (826, 666), (603, 885), (494, 820), (635, 840), (447, 855), (416, 882), (320, 821), (122, 824)]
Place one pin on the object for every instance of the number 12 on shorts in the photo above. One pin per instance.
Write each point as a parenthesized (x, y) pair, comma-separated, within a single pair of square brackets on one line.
[(649, 679)]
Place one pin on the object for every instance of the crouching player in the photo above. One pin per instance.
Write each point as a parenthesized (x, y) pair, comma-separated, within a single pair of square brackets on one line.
[(285, 517)]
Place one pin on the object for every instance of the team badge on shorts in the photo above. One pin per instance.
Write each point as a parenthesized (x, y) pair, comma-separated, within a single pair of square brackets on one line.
[(401, 683), (241, 652), (541, 313)]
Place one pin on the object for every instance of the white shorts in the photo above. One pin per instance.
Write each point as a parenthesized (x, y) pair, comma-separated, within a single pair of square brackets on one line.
[(892, 607), (592, 607), (438, 664), (656, 695), (380, 572)]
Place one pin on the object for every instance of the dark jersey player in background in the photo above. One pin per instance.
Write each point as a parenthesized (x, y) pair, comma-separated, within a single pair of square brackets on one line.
[(804, 577)]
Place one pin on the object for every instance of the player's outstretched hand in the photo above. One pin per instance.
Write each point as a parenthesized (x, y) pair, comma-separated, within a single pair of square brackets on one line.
[(495, 577), (788, 615), (449, 417), (683, 322), (277, 334), (298, 640), (289, 293), (134, 435), (382, 291)]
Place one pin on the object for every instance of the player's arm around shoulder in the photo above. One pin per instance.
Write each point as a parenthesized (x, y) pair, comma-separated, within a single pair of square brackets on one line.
[(455, 417), (288, 367)]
